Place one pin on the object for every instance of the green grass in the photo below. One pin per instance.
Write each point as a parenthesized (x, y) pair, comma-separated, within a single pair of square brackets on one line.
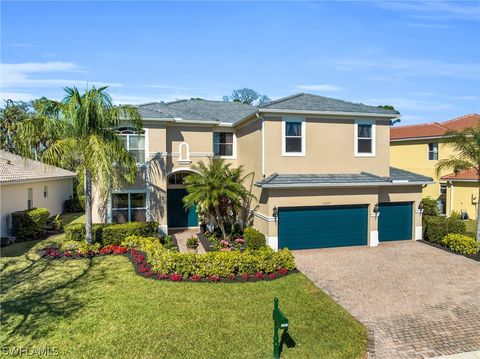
[(99, 308), (75, 217)]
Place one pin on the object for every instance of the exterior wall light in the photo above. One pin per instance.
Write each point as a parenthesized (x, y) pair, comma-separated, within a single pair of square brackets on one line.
[(420, 207), (275, 213), (376, 210)]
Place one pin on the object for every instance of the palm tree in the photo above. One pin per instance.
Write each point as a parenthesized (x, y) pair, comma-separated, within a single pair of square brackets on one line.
[(217, 189), (84, 127), (466, 145)]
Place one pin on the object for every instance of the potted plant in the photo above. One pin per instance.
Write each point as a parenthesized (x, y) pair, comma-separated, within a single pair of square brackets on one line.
[(192, 244)]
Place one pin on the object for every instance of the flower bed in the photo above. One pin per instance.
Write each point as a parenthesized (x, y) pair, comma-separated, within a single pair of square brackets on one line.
[(76, 253)]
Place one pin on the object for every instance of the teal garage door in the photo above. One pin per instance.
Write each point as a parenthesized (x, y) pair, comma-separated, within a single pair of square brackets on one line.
[(177, 215), (395, 221), (321, 227)]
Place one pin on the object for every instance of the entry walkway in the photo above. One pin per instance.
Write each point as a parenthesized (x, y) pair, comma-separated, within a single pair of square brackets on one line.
[(182, 235)]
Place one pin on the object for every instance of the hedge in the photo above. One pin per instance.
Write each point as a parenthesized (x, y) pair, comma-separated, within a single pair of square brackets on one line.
[(29, 224), (430, 207), (438, 227), (107, 234), (74, 204), (254, 239), (461, 244)]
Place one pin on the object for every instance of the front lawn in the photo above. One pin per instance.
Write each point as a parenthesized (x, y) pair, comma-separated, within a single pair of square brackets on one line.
[(100, 307)]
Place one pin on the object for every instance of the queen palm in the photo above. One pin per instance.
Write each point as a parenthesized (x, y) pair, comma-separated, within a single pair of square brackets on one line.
[(217, 189), (84, 126), (466, 145)]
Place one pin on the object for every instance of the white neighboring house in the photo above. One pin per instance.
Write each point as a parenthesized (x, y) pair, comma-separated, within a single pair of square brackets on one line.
[(25, 184)]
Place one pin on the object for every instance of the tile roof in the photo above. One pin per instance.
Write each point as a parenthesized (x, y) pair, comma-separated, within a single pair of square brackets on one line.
[(14, 168), (467, 175), (434, 129), (198, 110), (343, 179), (308, 102)]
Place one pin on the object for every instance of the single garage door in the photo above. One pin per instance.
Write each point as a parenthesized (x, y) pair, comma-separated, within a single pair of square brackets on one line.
[(395, 221), (321, 227)]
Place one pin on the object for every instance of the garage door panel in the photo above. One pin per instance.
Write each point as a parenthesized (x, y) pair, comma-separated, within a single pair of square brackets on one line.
[(395, 221), (321, 227)]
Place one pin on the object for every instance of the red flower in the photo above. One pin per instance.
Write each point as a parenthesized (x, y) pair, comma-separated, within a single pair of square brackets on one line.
[(162, 276), (195, 278), (176, 277), (282, 271), (245, 276), (259, 275), (214, 278), (231, 276), (272, 276), (67, 254)]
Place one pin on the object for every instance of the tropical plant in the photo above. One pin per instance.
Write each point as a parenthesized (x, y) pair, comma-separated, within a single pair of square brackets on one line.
[(217, 189), (11, 115), (466, 145), (84, 130)]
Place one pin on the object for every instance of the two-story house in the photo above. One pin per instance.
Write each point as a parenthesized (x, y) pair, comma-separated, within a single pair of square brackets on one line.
[(418, 148), (321, 169)]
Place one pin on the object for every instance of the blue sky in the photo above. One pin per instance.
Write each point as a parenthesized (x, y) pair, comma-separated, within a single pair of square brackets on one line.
[(421, 57)]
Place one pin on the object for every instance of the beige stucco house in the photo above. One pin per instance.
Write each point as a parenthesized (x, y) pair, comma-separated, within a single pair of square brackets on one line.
[(25, 184), (321, 168)]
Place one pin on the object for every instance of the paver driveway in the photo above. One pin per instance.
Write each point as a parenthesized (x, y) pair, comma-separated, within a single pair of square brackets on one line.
[(416, 301)]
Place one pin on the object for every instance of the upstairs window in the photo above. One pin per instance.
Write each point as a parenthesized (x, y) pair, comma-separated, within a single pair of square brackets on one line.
[(433, 151), (223, 143), (365, 138), (293, 137), (134, 143)]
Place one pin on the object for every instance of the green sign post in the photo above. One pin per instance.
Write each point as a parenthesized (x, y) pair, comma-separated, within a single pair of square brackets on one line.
[(280, 321)]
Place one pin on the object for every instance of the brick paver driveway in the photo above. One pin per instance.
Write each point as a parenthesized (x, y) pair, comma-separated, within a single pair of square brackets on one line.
[(416, 301)]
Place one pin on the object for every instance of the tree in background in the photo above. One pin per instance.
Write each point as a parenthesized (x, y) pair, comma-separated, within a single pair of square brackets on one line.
[(11, 115), (247, 96), (466, 146), (84, 130)]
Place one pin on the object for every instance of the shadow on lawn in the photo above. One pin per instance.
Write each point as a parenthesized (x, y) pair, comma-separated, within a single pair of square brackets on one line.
[(42, 291)]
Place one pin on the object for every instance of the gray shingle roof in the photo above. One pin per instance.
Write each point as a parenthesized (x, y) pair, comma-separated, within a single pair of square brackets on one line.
[(198, 110), (14, 168), (343, 179), (308, 102)]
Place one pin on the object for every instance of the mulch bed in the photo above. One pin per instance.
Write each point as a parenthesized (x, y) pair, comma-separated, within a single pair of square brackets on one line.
[(475, 257)]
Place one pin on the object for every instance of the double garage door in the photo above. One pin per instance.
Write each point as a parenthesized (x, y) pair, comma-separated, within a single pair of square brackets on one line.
[(339, 226)]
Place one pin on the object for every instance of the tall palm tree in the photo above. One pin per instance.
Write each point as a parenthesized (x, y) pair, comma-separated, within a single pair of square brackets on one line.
[(466, 145), (217, 189), (84, 127)]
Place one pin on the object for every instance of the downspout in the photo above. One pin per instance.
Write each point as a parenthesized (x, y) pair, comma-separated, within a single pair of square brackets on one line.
[(263, 143)]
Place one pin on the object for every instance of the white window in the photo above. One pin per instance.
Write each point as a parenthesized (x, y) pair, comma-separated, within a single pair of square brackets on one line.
[(223, 144), (293, 136), (30, 198), (133, 142), (45, 191), (443, 189), (433, 151), (129, 207), (364, 138)]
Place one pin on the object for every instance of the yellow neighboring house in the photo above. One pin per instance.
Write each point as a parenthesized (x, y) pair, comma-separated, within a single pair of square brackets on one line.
[(418, 148)]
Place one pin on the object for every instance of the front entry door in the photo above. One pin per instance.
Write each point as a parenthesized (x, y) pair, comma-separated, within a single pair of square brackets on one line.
[(177, 215)]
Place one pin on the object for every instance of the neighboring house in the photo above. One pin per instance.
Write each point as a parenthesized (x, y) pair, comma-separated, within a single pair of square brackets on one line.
[(418, 148), (25, 184), (321, 169)]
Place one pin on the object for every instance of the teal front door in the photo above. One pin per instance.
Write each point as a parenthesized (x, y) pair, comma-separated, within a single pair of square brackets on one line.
[(395, 221), (323, 226), (177, 215)]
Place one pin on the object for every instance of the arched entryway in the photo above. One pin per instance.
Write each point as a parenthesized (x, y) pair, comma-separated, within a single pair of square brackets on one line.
[(177, 215)]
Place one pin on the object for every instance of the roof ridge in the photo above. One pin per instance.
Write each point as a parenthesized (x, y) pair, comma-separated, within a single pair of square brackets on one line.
[(284, 99), (461, 117)]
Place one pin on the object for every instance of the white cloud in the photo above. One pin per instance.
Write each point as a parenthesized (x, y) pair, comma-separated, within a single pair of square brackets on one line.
[(16, 96), (29, 75), (321, 88)]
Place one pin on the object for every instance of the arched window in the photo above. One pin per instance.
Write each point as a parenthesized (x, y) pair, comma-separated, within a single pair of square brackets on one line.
[(177, 178), (184, 152), (134, 142)]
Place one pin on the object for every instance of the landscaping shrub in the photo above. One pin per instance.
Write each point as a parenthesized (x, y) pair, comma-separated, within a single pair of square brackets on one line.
[(254, 239), (29, 224), (73, 205), (461, 244), (76, 232), (438, 227), (116, 233), (430, 207), (79, 247)]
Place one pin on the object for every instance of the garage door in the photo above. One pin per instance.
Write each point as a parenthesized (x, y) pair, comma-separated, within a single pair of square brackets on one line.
[(395, 221), (321, 227)]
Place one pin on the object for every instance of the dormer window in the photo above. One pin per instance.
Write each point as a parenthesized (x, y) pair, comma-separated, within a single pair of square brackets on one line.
[(364, 138)]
